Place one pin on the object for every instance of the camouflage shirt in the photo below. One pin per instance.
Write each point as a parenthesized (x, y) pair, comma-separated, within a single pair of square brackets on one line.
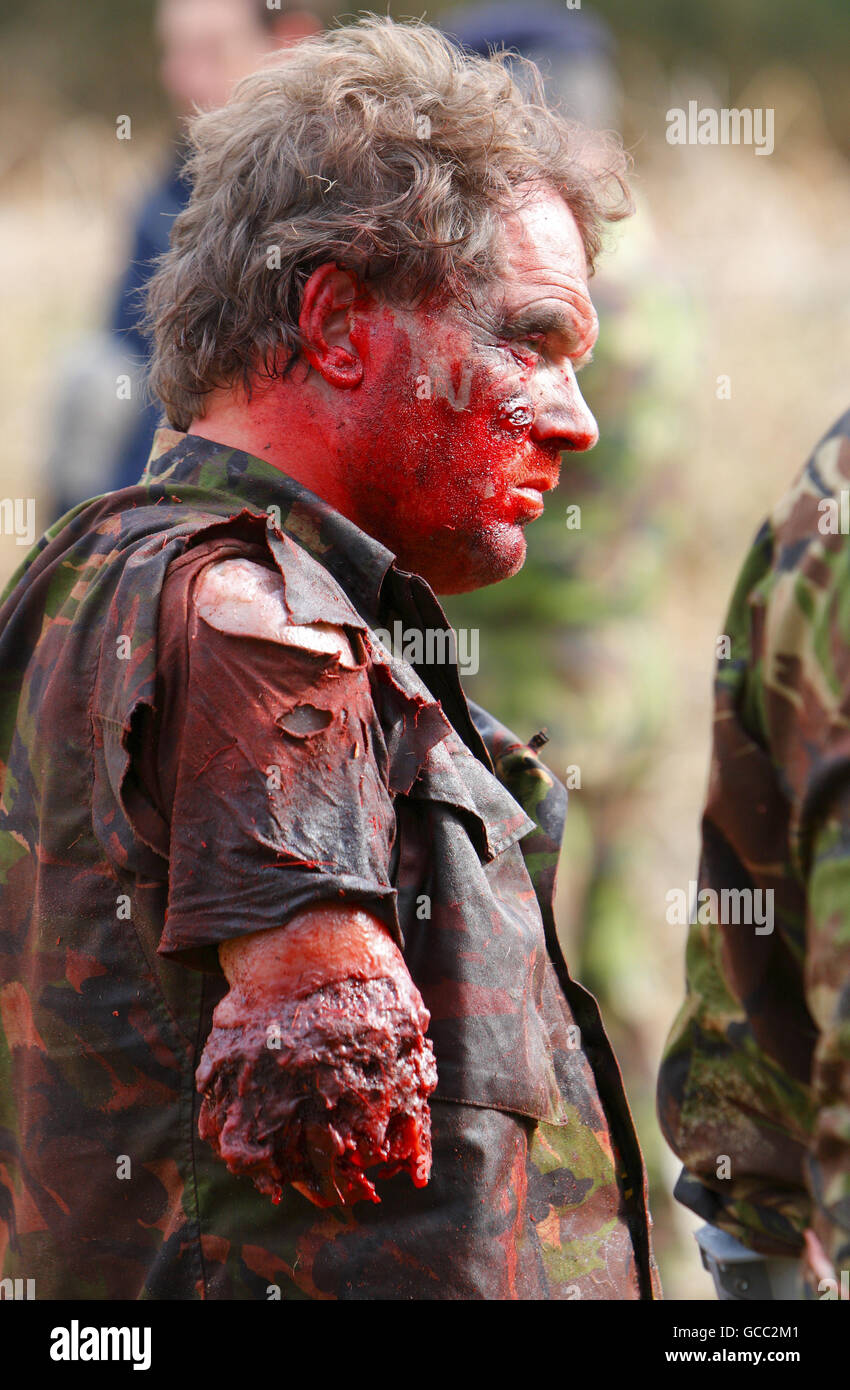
[(161, 794), (754, 1092)]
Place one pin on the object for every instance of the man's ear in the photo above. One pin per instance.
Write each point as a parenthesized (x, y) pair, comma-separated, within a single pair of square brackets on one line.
[(325, 323)]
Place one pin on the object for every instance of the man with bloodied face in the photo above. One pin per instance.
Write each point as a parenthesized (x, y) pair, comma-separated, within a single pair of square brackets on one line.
[(266, 883)]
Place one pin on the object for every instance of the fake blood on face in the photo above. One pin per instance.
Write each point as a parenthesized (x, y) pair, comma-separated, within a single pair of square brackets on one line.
[(455, 474), (432, 455), (428, 426)]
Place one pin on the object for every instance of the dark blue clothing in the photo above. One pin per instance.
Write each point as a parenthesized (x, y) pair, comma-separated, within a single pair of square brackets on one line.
[(150, 240), (536, 26)]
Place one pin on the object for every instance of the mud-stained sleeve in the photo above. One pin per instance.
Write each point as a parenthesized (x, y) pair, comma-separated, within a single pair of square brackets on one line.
[(810, 729), (276, 777), (828, 995)]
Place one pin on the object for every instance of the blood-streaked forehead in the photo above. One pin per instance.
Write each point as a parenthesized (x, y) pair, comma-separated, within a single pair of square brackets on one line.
[(544, 269)]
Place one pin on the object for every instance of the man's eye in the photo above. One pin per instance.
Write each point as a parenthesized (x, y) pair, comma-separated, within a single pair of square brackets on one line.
[(524, 348)]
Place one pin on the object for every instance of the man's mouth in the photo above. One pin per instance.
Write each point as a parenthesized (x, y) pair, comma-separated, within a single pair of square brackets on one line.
[(531, 500)]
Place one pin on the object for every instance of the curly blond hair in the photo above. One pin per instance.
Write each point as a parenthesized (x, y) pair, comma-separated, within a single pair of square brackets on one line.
[(380, 146)]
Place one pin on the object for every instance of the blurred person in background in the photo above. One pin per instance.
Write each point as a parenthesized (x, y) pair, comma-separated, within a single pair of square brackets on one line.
[(101, 435), (573, 51), (754, 1088)]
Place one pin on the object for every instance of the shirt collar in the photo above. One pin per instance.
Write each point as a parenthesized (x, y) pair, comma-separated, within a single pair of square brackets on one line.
[(356, 560)]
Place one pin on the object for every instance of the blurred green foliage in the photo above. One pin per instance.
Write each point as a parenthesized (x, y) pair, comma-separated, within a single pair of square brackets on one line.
[(740, 34), (92, 56)]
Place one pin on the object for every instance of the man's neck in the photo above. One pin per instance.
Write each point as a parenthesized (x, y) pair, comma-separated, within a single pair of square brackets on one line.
[(290, 429)]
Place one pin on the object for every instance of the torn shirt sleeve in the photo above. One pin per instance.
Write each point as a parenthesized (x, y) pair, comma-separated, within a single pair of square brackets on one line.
[(266, 760)]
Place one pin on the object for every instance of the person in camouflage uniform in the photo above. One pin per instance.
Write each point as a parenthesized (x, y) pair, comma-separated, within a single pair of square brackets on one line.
[(211, 759), (753, 1092)]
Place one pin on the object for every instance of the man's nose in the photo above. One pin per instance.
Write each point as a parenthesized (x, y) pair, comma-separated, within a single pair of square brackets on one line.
[(563, 417)]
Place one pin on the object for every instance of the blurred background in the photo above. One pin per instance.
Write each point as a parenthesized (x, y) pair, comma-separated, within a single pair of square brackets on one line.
[(725, 312)]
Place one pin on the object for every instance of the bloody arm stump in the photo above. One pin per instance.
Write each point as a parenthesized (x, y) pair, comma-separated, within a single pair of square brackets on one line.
[(317, 1067)]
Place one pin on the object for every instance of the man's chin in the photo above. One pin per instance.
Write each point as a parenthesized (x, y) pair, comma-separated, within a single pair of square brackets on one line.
[(479, 561)]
